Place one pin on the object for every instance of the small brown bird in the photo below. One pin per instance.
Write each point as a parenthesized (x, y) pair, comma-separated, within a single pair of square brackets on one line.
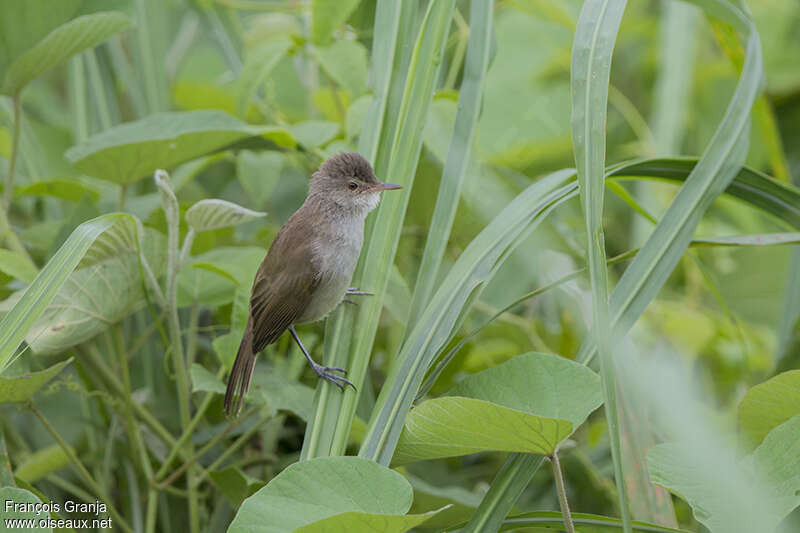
[(308, 267)]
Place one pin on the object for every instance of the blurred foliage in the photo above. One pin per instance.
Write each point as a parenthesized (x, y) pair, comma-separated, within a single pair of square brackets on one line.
[(243, 99)]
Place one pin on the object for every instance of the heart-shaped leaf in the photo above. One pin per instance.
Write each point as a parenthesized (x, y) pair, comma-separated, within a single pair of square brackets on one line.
[(361, 492), (530, 404), (212, 214), (22, 388), (61, 44), (131, 151), (767, 405)]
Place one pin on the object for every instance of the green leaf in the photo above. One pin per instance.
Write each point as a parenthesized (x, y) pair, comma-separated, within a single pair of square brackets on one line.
[(213, 214), (285, 395), (66, 189), (20, 496), (730, 496), (346, 63), (259, 173), (767, 405), (354, 522), (41, 463), (97, 295), (312, 490), (584, 523), (6, 476), (61, 44), (234, 484), (258, 64), (530, 403), (761, 239), (203, 380), (16, 323), (314, 133), (129, 152), (460, 502), (327, 16), (20, 389), (17, 266)]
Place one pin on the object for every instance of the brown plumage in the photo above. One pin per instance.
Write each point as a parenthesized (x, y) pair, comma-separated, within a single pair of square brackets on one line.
[(308, 267)]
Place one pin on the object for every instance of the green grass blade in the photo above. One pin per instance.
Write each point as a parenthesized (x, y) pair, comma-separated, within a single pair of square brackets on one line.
[(458, 156), (441, 318), (40, 293), (721, 161), (593, 47)]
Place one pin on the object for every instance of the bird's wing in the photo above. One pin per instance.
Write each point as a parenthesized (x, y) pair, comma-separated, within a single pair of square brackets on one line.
[(282, 290)]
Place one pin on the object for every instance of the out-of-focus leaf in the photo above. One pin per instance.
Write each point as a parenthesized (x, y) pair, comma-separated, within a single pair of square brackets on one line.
[(131, 151), (41, 463), (211, 278), (234, 484), (529, 404), (258, 64), (212, 214), (78, 247), (356, 114), (284, 395), (203, 380), (20, 389), (17, 266), (767, 405), (65, 189), (6, 476), (97, 295), (314, 133), (312, 490), (346, 63), (59, 45), (21, 496), (259, 173), (461, 502), (327, 16)]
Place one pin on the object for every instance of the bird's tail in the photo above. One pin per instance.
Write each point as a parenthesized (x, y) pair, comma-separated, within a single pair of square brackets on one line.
[(241, 374)]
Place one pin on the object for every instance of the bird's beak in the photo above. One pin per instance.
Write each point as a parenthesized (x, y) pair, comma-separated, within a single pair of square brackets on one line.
[(383, 186)]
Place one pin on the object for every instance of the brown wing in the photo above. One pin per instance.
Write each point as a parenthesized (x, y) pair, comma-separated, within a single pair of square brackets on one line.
[(282, 290)]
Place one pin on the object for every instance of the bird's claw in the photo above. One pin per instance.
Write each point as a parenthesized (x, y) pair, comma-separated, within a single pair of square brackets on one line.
[(326, 373)]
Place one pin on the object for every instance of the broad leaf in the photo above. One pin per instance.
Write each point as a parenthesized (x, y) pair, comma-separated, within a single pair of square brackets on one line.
[(529, 404), (66, 189), (213, 214), (60, 44), (17, 322), (314, 133), (354, 522), (20, 389), (234, 484), (328, 15), (259, 173), (313, 490), (20, 496), (346, 63), (257, 66), (17, 266), (205, 381), (97, 295), (767, 405), (212, 277), (131, 151)]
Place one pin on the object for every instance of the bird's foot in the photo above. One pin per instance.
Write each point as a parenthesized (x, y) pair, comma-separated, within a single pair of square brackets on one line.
[(352, 291), (327, 373)]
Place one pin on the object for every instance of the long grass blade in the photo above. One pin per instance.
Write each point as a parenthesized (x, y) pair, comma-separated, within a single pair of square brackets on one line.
[(592, 49), (458, 156)]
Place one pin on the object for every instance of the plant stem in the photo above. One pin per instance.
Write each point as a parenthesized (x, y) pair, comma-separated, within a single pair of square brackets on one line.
[(87, 477), (8, 193), (558, 476), (200, 453)]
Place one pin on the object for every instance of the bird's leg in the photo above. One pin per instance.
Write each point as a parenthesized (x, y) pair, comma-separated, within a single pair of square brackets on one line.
[(324, 372), (352, 291)]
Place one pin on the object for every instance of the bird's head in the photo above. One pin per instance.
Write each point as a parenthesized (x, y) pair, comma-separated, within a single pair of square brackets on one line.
[(348, 181)]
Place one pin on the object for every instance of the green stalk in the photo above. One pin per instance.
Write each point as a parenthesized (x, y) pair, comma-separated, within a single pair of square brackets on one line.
[(8, 191), (561, 490), (458, 156), (592, 49), (77, 91), (82, 471), (98, 90)]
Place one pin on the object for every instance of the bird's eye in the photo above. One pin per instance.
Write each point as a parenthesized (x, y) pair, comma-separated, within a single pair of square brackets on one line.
[(352, 185)]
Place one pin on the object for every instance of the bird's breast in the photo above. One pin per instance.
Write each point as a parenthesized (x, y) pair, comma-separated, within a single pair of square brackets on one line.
[(335, 251)]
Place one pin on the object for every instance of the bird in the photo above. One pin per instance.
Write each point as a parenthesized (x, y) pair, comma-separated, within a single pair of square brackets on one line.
[(308, 268)]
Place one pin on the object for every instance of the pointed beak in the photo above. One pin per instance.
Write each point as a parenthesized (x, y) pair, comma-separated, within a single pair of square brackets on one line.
[(383, 186)]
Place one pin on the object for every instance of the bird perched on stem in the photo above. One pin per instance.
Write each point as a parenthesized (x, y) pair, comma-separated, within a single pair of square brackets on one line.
[(308, 267)]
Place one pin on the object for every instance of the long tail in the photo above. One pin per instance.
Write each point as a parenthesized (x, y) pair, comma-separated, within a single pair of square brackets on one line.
[(241, 373)]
